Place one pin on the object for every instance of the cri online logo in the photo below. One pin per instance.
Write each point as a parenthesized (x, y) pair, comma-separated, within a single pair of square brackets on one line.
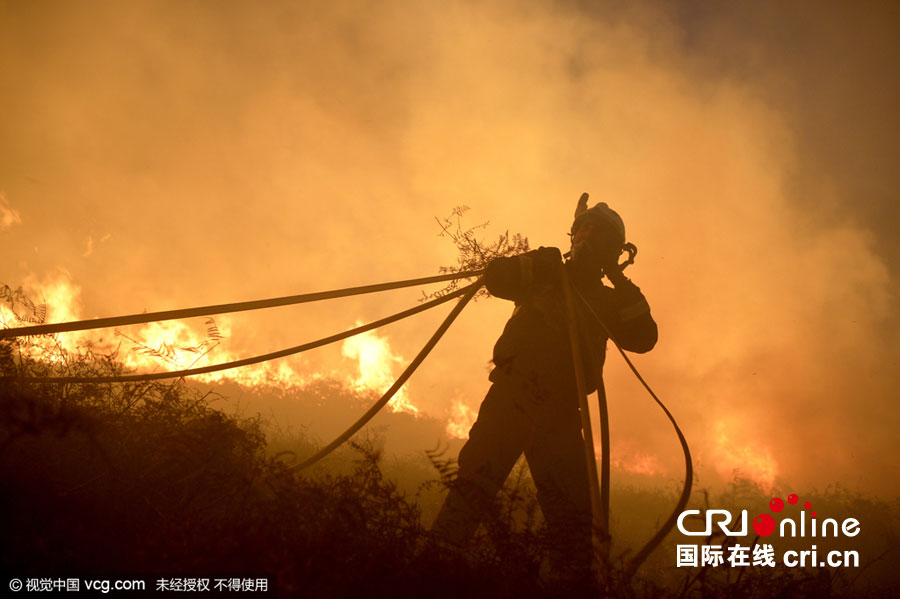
[(764, 524)]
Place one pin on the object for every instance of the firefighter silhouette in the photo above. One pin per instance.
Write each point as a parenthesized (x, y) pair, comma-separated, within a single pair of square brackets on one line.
[(532, 405)]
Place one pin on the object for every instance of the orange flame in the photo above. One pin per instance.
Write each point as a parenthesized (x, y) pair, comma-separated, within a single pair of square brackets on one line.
[(638, 463), (9, 216), (169, 345), (56, 299), (752, 461), (462, 417), (376, 366)]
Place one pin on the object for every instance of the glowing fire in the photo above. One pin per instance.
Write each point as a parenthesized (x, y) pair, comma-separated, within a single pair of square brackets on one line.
[(177, 345), (376, 368), (462, 417), (752, 461), (55, 299), (8, 215), (174, 345), (168, 345), (638, 463)]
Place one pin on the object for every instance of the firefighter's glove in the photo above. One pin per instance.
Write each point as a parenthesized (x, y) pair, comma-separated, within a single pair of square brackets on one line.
[(546, 265), (612, 270)]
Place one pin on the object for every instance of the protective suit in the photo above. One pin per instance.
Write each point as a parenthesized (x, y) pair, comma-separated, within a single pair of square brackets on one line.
[(532, 406)]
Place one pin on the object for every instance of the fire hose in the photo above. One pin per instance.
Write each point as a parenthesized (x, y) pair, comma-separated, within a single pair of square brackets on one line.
[(669, 524)]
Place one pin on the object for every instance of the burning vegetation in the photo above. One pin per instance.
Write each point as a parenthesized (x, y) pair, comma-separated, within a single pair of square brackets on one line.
[(176, 345), (174, 477)]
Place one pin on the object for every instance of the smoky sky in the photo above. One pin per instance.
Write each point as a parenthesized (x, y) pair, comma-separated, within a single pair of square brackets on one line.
[(171, 154)]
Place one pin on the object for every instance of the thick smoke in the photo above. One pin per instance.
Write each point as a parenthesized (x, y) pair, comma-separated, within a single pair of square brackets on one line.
[(177, 154)]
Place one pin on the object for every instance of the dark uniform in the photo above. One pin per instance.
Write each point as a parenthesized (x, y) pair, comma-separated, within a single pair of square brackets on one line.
[(532, 405)]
